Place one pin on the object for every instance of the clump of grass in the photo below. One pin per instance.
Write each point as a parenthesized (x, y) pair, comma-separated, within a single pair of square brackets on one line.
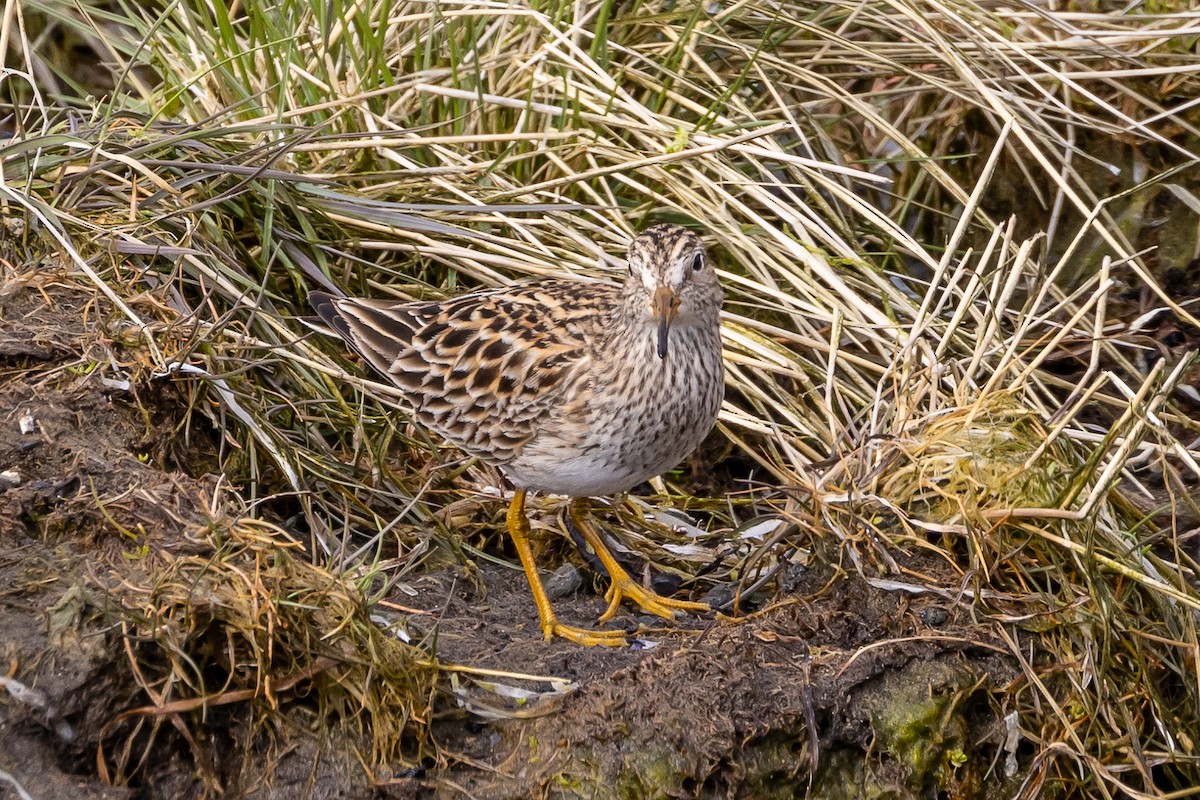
[(963, 466), (252, 631), (990, 464)]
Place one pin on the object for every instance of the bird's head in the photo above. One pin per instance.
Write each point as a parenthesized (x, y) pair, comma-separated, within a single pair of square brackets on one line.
[(670, 272)]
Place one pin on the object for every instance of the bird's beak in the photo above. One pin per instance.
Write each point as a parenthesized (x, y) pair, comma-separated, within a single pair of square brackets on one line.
[(666, 306)]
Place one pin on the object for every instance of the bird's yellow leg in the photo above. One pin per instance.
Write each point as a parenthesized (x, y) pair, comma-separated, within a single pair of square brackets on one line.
[(518, 529), (624, 586)]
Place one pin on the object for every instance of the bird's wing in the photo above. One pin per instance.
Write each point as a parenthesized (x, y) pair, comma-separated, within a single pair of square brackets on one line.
[(480, 369)]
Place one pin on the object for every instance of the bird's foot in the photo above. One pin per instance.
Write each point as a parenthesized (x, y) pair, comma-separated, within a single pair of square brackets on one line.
[(583, 636), (518, 529), (623, 587), (626, 588)]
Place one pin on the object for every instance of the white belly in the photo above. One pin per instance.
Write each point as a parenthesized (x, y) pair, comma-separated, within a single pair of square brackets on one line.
[(599, 472)]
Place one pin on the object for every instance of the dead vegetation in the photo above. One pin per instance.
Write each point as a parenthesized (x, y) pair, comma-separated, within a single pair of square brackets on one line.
[(253, 622)]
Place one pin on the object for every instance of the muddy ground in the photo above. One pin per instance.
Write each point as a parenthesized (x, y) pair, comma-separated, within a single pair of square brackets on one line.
[(888, 694)]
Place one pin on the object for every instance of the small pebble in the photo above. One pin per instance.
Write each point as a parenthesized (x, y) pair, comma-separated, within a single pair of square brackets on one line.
[(935, 616), (792, 578), (665, 584), (720, 595), (9, 479), (564, 581)]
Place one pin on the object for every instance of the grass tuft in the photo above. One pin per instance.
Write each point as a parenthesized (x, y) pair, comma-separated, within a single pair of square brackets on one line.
[(247, 630)]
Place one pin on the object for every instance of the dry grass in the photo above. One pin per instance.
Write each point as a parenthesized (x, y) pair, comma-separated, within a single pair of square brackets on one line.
[(253, 624), (929, 218)]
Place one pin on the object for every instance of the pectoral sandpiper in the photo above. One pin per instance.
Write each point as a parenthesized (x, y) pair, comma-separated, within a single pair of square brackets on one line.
[(570, 387)]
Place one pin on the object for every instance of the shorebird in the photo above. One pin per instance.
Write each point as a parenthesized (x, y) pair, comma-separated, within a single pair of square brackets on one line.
[(570, 387)]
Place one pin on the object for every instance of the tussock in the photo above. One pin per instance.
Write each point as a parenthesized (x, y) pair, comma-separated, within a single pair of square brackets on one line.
[(222, 641)]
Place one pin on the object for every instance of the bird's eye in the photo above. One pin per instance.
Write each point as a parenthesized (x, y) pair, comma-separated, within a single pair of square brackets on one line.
[(698, 262)]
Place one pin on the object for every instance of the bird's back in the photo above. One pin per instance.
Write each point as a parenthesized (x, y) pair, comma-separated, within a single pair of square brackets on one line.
[(483, 370)]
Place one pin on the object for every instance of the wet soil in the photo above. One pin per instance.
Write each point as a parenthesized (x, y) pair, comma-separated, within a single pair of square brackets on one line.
[(832, 688)]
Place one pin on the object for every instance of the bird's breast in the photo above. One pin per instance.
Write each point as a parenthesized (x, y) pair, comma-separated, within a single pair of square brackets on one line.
[(638, 416)]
